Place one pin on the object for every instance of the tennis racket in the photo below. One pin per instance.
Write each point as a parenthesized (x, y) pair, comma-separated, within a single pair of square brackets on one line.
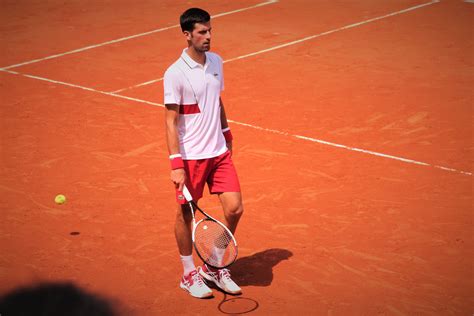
[(213, 241)]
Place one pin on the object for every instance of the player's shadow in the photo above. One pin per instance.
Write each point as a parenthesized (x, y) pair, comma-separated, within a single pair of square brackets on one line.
[(257, 269)]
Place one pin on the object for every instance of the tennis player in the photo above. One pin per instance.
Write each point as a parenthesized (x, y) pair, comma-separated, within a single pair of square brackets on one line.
[(200, 145)]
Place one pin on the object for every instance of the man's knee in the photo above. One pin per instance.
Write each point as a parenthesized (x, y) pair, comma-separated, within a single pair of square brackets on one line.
[(234, 209)]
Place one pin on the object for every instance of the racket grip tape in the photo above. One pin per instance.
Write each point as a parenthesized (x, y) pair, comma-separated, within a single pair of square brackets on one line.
[(186, 194)]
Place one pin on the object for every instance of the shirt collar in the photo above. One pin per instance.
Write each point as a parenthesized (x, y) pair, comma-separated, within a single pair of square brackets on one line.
[(191, 63)]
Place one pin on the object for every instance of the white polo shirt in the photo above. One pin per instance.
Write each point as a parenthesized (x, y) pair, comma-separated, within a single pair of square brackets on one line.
[(196, 89)]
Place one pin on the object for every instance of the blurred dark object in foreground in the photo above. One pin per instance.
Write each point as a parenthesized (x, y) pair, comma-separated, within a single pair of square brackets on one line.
[(54, 299)]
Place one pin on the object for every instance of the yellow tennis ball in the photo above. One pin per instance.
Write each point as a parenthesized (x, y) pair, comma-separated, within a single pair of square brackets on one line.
[(60, 199)]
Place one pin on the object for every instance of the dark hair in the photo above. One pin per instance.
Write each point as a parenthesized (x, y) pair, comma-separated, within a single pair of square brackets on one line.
[(55, 299), (191, 17)]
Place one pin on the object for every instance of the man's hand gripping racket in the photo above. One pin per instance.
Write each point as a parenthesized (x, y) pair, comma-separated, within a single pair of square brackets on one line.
[(213, 241)]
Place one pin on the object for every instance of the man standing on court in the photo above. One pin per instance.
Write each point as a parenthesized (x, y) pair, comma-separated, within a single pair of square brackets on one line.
[(200, 145)]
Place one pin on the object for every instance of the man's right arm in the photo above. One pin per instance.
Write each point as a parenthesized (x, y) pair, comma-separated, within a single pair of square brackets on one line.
[(178, 175)]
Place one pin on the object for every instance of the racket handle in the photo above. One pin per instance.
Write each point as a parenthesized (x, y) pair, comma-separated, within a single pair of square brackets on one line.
[(186, 194)]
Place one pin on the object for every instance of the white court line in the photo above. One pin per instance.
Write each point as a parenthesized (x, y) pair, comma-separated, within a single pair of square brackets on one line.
[(131, 37), (138, 85), (305, 138), (334, 30), (300, 40)]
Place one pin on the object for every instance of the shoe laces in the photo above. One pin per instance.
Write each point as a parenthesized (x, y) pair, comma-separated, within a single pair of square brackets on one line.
[(224, 274), (197, 279)]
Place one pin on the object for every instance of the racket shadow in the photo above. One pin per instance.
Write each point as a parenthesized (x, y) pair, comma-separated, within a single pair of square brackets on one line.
[(257, 269)]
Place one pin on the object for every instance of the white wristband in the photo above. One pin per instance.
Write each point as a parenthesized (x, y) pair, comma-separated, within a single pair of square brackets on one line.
[(175, 156)]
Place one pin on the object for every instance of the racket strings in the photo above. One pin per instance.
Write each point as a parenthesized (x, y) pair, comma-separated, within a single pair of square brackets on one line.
[(214, 244)]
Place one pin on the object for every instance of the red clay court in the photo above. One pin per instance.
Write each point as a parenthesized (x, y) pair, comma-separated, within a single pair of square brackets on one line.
[(353, 142)]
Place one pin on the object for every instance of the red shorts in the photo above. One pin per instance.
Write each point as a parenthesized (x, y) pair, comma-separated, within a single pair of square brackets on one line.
[(219, 173)]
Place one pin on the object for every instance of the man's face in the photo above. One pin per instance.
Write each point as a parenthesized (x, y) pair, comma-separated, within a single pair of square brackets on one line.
[(200, 37)]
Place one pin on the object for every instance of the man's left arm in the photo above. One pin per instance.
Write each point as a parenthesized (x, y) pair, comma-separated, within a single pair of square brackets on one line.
[(225, 127)]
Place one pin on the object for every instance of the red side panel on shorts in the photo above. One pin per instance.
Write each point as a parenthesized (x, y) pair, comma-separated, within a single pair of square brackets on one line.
[(219, 173), (189, 109)]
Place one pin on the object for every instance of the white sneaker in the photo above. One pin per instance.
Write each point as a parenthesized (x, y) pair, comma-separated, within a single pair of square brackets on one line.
[(221, 278), (194, 284)]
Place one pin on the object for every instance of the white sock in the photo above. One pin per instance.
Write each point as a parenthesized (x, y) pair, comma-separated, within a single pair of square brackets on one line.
[(188, 264)]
